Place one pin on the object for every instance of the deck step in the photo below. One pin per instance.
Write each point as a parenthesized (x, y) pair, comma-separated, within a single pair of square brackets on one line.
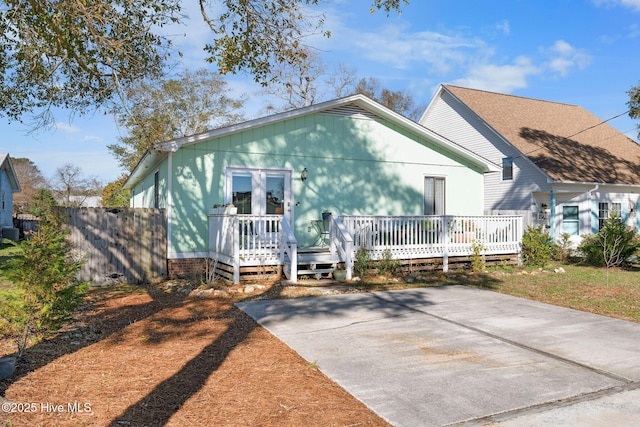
[(317, 258), (317, 272), (312, 268)]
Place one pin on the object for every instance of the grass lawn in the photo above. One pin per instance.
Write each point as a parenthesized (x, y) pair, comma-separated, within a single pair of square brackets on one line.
[(578, 287), (582, 288), (7, 250)]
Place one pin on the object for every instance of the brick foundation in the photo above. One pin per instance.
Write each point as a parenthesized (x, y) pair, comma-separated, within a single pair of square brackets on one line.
[(186, 268)]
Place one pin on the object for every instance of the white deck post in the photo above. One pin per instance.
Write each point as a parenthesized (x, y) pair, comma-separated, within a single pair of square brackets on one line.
[(444, 236), (236, 249)]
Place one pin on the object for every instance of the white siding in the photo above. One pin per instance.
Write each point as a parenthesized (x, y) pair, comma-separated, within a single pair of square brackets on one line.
[(447, 117)]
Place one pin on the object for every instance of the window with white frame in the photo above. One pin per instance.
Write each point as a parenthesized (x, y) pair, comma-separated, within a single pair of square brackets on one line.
[(257, 191), (571, 220), (434, 188), (603, 213)]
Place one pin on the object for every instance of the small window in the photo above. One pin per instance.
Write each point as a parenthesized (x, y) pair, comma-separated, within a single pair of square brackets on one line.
[(603, 213), (434, 195), (3, 206), (570, 220), (507, 168), (156, 190)]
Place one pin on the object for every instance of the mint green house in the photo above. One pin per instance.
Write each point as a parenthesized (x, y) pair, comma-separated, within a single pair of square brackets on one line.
[(254, 193)]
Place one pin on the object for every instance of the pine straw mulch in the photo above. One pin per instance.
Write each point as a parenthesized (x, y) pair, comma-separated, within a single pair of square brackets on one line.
[(165, 356)]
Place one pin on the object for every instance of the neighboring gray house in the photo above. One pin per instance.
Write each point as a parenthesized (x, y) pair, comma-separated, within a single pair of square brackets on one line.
[(562, 167), (8, 185)]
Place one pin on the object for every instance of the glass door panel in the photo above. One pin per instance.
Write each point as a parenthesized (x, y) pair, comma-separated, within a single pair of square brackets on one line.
[(242, 191), (260, 191), (274, 194)]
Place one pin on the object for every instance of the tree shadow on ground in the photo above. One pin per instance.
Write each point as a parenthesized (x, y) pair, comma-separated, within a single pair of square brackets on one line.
[(104, 324), (168, 317), (157, 407), (169, 396)]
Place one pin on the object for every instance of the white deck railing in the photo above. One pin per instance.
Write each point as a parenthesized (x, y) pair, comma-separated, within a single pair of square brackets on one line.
[(263, 240), (341, 242), (414, 237), (252, 240)]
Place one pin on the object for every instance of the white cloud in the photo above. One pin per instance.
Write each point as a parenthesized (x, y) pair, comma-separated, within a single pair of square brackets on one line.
[(458, 58), (631, 4), (399, 48), (66, 127), (634, 4), (633, 31), (75, 130), (500, 78), (504, 27), (93, 138), (564, 58)]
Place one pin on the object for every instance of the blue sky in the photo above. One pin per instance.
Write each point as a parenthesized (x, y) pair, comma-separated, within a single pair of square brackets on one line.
[(580, 52)]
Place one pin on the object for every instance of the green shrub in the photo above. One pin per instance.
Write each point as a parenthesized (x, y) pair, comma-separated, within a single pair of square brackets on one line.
[(612, 246), (362, 263), (565, 250), (44, 276), (478, 264), (388, 265), (538, 247)]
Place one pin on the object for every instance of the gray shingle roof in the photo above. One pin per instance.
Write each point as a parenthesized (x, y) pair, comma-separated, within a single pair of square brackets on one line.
[(566, 141)]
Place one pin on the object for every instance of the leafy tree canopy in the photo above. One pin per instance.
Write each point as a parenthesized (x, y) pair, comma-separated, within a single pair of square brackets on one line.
[(398, 101), (114, 196), (253, 35), (77, 54), (30, 179), (80, 54), (634, 104), (166, 109)]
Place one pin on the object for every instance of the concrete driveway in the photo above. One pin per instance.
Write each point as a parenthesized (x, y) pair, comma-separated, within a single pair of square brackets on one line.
[(461, 356)]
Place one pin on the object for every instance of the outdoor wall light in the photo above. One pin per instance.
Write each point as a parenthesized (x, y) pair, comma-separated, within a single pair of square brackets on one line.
[(304, 175)]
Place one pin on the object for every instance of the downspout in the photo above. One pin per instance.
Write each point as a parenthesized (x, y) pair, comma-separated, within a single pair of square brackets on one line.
[(169, 200), (552, 219), (592, 215)]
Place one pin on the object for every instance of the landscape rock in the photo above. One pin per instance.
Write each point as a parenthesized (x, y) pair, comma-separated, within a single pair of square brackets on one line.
[(7, 367)]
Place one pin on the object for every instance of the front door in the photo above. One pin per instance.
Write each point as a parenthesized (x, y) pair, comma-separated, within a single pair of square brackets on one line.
[(260, 191)]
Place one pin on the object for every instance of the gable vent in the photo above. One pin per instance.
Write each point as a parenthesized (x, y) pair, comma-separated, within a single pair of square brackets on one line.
[(352, 111)]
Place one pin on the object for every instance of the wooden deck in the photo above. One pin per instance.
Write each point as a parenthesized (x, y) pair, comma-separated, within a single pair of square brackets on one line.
[(245, 245)]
